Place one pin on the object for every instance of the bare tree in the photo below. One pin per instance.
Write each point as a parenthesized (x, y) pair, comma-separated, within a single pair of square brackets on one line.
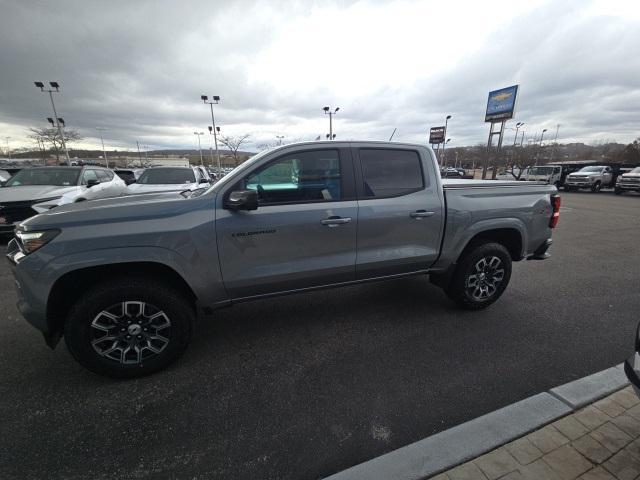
[(50, 136), (234, 144)]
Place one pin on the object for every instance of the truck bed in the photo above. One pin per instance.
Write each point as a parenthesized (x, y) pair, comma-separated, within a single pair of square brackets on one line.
[(512, 206)]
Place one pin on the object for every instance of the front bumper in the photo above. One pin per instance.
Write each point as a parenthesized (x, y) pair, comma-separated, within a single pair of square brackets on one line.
[(33, 310), (632, 371), (628, 186), (578, 183)]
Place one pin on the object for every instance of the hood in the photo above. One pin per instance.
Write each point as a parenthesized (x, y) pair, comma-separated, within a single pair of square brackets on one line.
[(33, 192), (112, 210), (136, 188), (584, 174)]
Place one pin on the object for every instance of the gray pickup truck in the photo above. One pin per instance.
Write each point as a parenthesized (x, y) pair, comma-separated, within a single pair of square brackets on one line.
[(124, 279)]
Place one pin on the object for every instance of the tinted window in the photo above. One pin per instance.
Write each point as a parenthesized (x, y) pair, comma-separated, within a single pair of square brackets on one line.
[(61, 177), (387, 173), (89, 175), (167, 176), (104, 176), (299, 177)]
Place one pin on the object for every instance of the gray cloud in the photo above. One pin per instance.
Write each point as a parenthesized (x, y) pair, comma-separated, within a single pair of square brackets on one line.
[(138, 68)]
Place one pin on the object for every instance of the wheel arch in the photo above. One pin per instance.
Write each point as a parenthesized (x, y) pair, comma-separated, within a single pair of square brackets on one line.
[(68, 287), (510, 238)]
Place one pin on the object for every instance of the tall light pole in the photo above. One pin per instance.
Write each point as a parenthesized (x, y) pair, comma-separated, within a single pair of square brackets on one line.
[(327, 111), (55, 85), (446, 123), (515, 138), (279, 137), (215, 99), (542, 136), (8, 151), (199, 146), (104, 152)]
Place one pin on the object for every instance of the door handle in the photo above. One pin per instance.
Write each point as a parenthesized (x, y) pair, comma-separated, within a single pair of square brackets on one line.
[(421, 214), (335, 221)]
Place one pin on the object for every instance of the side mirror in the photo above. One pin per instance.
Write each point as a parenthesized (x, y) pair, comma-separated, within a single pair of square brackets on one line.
[(3, 183), (92, 183), (203, 180), (129, 181), (242, 200)]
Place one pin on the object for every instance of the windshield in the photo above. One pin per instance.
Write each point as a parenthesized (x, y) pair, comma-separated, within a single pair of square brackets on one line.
[(540, 170), (167, 176), (60, 177), (591, 169)]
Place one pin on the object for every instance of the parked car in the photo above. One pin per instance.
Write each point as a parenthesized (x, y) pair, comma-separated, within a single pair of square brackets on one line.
[(551, 174), (123, 281), (166, 179), (628, 182), (129, 175), (450, 172), (594, 178), (39, 189)]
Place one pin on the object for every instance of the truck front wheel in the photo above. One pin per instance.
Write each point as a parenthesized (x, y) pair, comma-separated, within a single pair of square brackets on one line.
[(596, 187), (128, 328), (481, 276)]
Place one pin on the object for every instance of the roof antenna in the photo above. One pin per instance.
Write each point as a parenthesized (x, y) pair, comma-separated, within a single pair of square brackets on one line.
[(394, 132)]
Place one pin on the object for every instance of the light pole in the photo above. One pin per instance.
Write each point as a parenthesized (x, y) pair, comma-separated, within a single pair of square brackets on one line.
[(540, 145), (104, 152), (279, 137), (327, 111), (214, 99), (55, 85), (446, 122), (8, 151), (515, 138), (541, 136), (199, 146)]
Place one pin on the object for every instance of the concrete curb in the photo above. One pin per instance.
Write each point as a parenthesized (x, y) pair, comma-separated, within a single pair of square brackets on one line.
[(464, 442)]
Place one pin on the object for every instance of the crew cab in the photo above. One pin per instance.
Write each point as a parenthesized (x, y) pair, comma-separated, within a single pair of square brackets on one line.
[(123, 279), (628, 182), (593, 178)]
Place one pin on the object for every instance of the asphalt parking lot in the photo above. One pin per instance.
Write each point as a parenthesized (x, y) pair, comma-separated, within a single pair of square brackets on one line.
[(307, 385)]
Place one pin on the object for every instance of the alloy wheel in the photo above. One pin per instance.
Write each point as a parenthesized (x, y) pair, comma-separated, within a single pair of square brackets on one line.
[(485, 278), (130, 332)]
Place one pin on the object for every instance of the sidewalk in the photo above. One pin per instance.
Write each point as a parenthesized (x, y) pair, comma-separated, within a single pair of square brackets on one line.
[(599, 442)]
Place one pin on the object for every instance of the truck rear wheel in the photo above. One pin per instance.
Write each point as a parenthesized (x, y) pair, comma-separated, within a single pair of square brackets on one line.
[(481, 276), (129, 327)]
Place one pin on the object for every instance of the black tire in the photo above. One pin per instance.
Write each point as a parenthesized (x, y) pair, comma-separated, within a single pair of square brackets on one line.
[(87, 319), (596, 187), (459, 289), (618, 191)]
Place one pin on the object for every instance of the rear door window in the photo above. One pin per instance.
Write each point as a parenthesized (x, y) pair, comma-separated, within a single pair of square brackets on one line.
[(390, 173)]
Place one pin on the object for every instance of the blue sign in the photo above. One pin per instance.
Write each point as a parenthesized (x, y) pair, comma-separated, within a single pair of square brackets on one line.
[(501, 104)]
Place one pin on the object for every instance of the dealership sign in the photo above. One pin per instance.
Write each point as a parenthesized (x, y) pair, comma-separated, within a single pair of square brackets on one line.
[(436, 135), (501, 104)]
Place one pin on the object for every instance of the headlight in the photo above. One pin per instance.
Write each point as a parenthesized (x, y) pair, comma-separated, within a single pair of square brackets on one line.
[(29, 242)]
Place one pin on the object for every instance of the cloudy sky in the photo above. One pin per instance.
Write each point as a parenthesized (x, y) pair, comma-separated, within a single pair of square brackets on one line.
[(138, 68)]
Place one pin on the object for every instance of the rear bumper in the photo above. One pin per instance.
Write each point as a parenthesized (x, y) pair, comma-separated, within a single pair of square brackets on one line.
[(540, 253)]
